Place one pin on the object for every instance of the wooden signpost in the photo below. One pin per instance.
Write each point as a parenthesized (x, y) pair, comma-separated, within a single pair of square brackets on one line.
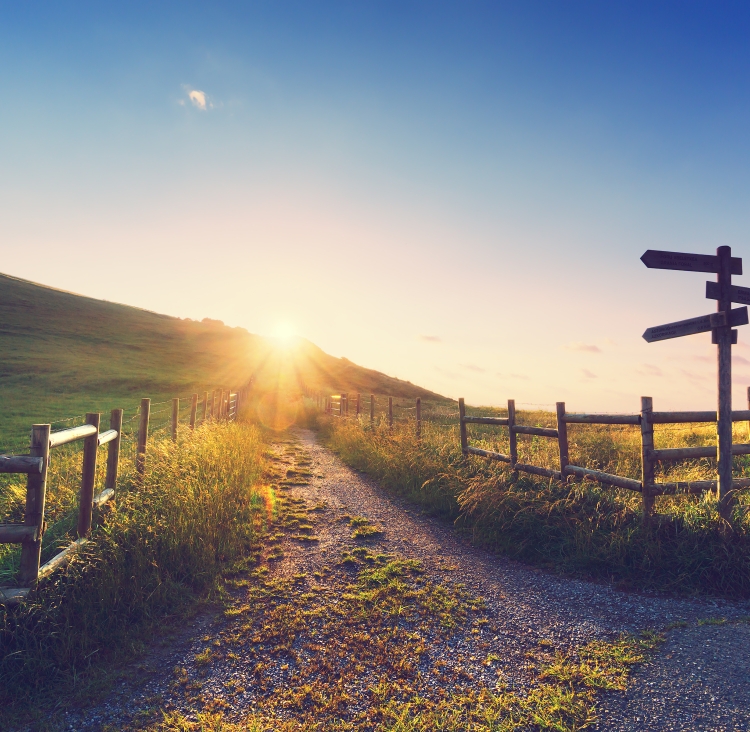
[(720, 324)]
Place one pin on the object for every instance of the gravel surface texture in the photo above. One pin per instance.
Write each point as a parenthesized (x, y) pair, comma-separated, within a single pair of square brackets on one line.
[(698, 680)]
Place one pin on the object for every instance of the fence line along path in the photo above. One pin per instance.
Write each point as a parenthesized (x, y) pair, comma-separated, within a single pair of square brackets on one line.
[(222, 404), (647, 486)]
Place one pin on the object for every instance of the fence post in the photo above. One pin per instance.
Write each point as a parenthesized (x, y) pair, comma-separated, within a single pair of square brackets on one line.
[(512, 432), (390, 413), (113, 450), (88, 477), (341, 405), (562, 438), (359, 403), (647, 462), (419, 418), (193, 411), (205, 406), (175, 417), (36, 494), (462, 428), (140, 459), (372, 408), (214, 399)]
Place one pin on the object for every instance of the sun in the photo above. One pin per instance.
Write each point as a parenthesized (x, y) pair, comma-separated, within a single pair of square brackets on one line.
[(284, 331)]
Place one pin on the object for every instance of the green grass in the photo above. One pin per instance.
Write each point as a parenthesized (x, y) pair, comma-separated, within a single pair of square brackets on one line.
[(583, 529), (199, 510)]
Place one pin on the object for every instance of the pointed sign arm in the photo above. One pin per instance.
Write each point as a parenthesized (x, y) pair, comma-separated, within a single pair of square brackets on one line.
[(740, 295), (657, 259), (702, 324)]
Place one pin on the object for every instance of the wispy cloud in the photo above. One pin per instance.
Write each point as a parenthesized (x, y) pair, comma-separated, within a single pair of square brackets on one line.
[(740, 359), (584, 347), (647, 369), (430, 338), (472, 367), (522, 377), (198, 98), (588, 374)]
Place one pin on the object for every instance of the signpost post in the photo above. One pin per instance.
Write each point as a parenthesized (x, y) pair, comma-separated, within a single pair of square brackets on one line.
[(720, 324)]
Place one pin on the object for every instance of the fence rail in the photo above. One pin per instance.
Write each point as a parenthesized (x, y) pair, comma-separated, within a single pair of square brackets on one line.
[(647, 486), (223, 404)]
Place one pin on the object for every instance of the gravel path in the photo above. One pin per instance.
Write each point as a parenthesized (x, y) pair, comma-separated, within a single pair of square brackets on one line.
[(699, 679)]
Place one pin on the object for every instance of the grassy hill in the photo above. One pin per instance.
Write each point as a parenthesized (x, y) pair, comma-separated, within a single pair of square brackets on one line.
[(64, 354)]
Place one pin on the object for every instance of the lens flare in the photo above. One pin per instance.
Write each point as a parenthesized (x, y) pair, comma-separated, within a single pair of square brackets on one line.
[(276, 412)]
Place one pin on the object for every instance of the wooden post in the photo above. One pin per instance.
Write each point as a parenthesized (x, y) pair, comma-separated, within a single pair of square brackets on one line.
[(372, 408), (390, 413), (647, 462), (562, 438), (215, 404), (113, 450), (193, 411), (359, 403), (205, 406), (36, 494), (88, 477), (512, 432), (462, 427), (175, 417), (419, 418), (723, 336), (140, 459), (341, 405)]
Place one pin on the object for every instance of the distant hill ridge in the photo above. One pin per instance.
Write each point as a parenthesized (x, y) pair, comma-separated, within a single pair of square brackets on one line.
[(63, 352)]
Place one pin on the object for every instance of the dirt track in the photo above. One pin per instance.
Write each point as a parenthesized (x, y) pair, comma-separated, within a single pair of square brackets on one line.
[(699, 679)]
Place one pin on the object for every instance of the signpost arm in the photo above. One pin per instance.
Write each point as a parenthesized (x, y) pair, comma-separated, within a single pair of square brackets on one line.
[(724, 348)]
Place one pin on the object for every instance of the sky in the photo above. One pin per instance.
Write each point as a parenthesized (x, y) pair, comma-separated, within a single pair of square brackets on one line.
[(454, 193)]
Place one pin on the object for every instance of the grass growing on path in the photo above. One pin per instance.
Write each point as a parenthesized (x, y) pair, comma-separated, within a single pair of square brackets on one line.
[(162, 544), (580, 528)]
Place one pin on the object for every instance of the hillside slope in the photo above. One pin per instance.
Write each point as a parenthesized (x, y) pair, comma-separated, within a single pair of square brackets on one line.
[(63, 354)]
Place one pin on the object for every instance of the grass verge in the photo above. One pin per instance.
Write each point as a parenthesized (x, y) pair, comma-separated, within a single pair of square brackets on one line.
[(163, 543), (583, 529)]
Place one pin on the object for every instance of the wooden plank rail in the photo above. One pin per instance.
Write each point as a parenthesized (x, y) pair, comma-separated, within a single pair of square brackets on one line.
[(56, 439), (488, 454), (17, 533), (107, 436), (686, 453), (521, 429), (619, 481), (502, 421), (20, 464), (61, 559), (572, 418), (535, 470), (738, 415)]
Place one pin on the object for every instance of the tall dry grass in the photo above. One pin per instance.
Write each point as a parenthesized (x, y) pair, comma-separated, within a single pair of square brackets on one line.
[(163, 542), (583, 528)]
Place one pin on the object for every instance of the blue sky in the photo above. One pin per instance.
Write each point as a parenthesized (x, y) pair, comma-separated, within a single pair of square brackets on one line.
[(454, 193)]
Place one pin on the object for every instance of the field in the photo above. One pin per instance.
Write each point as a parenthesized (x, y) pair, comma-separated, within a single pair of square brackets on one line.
[(63, 355), (582, 529)]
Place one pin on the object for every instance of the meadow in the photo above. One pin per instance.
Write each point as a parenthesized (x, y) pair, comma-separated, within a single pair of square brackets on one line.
[(581, 529)]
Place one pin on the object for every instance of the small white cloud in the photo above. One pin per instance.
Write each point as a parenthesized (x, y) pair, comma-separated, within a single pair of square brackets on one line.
[(585, 347), (430, 338), (522, 377), (472, 367), (588, 374), (198, 98)]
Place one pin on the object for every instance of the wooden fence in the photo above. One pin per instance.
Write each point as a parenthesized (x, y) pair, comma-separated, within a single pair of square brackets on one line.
[(647, 486), (350, 405), (221, 404)]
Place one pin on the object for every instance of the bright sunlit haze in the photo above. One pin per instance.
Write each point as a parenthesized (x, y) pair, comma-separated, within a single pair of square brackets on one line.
[(456, 195)]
